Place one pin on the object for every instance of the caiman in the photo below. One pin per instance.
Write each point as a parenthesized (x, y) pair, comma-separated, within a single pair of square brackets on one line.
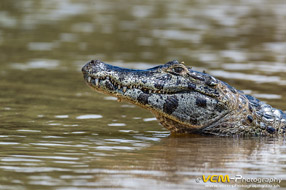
[(187, 101)]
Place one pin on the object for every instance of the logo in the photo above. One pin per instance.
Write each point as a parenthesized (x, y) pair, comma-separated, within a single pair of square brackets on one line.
[(216, 180)]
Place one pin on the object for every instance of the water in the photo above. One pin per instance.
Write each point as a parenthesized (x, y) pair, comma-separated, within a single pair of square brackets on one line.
[(56, 133)]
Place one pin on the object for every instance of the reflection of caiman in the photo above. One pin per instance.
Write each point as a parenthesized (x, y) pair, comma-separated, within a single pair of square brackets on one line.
[(187, 101)]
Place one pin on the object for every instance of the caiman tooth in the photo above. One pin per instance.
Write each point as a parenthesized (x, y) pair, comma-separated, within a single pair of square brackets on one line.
[(124, 88), (89, 79), (97, 82), (119, 87), (150, 91)]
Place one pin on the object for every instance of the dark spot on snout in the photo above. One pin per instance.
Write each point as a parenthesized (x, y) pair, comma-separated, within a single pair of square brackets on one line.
[(143, 98), (191, 86), (178, 82), (201, 102), (171, 104), (159, 85), (122, 76), (166, 77), (161, 81)]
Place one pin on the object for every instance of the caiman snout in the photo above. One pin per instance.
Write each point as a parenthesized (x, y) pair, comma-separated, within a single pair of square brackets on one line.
[(93, 66), (85, 69), (107, 78)]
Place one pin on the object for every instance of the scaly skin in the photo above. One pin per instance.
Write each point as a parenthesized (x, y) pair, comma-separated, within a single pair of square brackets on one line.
[(187, 101)]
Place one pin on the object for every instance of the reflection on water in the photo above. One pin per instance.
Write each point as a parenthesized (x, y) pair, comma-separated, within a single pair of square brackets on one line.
[(55, 133), (135, 160)]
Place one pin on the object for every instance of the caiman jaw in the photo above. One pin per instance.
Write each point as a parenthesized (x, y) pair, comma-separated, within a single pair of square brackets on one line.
[(106, 78), (166, 91), (112, 86)]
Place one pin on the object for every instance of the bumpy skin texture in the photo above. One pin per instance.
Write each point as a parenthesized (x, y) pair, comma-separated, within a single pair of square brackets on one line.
[(187, 101)]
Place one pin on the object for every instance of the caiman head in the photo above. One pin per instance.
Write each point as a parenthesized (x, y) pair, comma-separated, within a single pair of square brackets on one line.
[(183, 100)]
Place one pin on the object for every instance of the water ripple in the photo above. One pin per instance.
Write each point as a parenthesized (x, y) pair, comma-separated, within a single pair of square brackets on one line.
[(116, 124), (37, 64), (90, 116), (62, 116), (32, 169), (47, 157), (250, 77)]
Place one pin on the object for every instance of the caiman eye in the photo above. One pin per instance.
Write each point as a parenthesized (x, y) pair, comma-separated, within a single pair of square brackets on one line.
[(178, 70)]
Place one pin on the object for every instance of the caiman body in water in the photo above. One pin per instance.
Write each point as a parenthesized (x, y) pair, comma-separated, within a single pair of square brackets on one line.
[(187, 101)]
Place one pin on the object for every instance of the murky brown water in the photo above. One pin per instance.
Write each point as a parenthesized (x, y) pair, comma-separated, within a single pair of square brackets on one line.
[(55, 133)]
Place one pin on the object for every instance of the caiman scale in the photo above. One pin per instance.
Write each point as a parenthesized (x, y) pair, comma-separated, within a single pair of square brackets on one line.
[(187, 101)]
